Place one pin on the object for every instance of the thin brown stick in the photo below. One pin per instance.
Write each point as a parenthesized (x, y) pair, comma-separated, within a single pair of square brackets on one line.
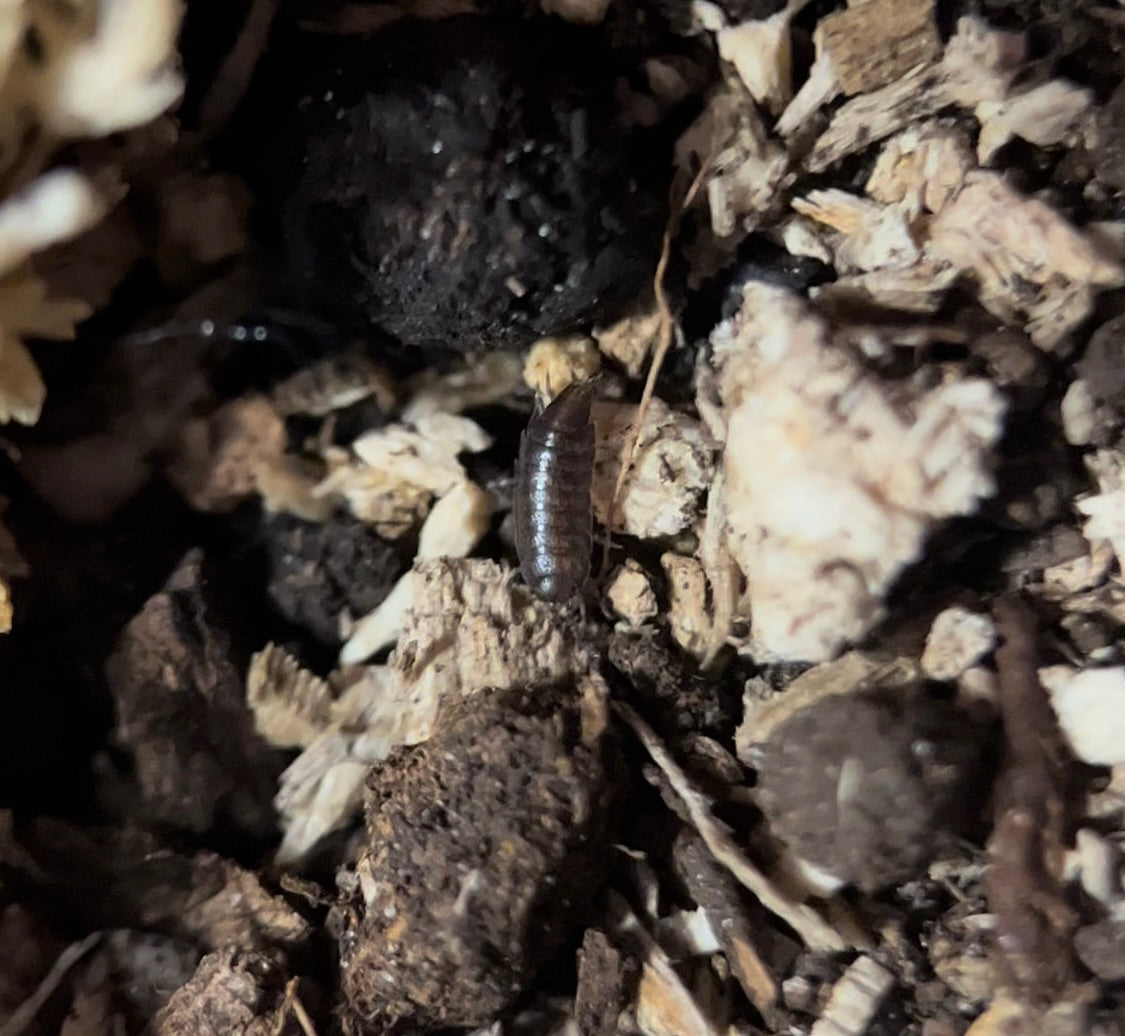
[(25, 1014), (293, 1004), (663, 344)]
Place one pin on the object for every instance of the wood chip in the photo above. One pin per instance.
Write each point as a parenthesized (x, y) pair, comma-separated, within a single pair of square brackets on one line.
[(855, 1000), (871, 44)]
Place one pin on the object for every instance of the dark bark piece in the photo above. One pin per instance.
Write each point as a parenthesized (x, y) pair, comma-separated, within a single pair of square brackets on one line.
[(1102, 365), (716, 891), (181, 712), (487, 846), (1101, 947), (232, 991), (1109, 156), (1033, 923), (319, 570), (118, 879), (469, 182), (605, 980), (684, 700)]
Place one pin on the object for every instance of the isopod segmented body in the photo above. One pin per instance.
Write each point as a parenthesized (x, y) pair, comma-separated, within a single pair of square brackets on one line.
[(553, 526)]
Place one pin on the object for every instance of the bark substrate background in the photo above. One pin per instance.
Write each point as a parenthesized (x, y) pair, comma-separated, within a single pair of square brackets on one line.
[(238, 580)]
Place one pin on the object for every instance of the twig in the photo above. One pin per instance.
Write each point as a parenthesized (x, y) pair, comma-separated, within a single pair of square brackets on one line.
[(293, 1003), (663, 344), (816, 933), (25, 1014)]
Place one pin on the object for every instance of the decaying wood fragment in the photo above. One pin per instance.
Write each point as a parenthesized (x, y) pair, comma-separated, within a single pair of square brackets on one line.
[(1056, 112), (1024, 257), (855, 1000), (958, 639), (392, 474), (689, 613), (630, 594), (1090, 707), (631, 339), (921, 168), (665, 1005), (220, 456), (604, 972), (452, 529), (873, 43), (805, 921), (1026, 847), (745, 168), (334, 384), (978, 65), (321, 790), (673, 463), (482, 380), (716, 892), (1105, 510), (554, 363), (232, 991), (761, 52), (834, 485), (291, 705)]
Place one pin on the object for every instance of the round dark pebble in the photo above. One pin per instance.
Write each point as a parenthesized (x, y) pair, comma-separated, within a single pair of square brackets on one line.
[(470, 181), (867, 787)]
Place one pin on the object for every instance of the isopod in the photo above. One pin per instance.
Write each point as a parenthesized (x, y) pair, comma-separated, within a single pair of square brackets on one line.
[(551, 505)]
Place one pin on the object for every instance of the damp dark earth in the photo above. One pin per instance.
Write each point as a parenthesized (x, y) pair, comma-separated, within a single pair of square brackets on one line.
[(569, 517)]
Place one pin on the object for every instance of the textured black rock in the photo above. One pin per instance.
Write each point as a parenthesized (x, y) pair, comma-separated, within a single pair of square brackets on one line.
[(470, 182)]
